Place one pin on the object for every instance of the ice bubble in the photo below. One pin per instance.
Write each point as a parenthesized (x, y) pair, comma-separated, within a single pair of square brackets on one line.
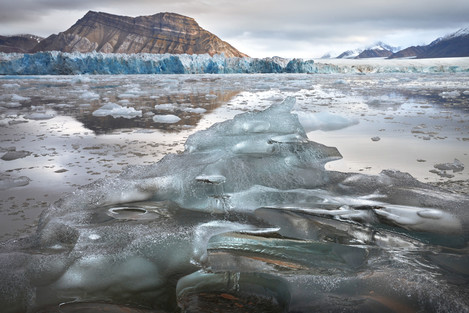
[(166, 119), (115, 110)]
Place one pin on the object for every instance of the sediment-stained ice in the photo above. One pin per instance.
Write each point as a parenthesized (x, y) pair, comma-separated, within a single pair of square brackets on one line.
[(247, 215)]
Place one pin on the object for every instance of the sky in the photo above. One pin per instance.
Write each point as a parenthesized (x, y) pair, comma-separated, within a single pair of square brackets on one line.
[(265, 28)]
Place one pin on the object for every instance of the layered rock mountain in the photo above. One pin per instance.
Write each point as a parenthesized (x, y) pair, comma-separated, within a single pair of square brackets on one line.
[(18, 43), (160, 33)]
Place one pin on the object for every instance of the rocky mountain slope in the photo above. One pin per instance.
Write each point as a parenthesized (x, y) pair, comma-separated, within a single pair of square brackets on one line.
[(452, 45), (18, 43), (159, 33)]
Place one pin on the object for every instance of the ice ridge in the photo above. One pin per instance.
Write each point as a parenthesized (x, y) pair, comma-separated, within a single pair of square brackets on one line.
[(62, 63)]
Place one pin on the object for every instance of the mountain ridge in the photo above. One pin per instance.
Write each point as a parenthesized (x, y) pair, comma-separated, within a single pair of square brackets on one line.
[(158, 34)]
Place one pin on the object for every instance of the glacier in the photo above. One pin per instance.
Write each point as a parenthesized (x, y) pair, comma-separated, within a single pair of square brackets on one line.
[(62, 63), (245, 217)]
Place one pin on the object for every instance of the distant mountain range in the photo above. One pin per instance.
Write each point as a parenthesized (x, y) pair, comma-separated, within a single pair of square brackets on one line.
[(452, 45), (177, 34), (102, 32)]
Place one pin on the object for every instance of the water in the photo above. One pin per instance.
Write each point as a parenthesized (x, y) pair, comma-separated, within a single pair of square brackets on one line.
[(417, 121)]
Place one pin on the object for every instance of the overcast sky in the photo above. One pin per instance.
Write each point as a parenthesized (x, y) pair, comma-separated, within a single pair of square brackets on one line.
[(262, 28)]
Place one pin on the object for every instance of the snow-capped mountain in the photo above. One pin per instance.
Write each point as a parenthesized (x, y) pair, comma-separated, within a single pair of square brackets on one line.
[(350, 54), (452, 45), (378, 50)]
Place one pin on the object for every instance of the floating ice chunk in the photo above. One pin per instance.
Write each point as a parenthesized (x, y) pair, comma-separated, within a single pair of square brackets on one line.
[(13, 85), (39, 116), (324, 121), (166, 119), (165, 106), (12, 105), (13, 155), (449, 94), (7, 182), (195, 110), (16, 97), (456, 166), (89, 95), (115, 110)]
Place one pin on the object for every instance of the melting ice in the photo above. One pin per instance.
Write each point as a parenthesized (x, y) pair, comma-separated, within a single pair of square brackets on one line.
[(246, 217)]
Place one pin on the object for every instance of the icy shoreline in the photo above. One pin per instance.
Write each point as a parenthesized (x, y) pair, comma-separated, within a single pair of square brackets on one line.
[(62, 63)]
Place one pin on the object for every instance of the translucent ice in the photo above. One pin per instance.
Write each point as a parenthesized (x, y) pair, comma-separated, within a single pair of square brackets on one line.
[(246, 211), (115, 110), (166, 118)]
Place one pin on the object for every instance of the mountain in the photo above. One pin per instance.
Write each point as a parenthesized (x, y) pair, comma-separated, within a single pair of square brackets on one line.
[(452, 45), (379, 50), (410, 52), (349, 54), (160, 33), (18, 43)]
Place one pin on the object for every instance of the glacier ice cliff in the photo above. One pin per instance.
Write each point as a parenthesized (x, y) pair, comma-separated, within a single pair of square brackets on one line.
[(62, 63), (245, 217)]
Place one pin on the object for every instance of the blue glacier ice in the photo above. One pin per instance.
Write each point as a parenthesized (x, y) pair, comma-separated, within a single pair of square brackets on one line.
[(62, 63)]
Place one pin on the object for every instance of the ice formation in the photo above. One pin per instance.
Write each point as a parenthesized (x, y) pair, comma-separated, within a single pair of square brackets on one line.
[(61, 63), (166, 118), (115, 110), (246, 216)]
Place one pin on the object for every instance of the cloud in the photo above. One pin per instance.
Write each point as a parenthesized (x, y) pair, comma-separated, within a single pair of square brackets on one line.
[(262, 26)]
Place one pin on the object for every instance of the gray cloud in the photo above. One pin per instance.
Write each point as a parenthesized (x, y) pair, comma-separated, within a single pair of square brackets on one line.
[(263, 26)]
